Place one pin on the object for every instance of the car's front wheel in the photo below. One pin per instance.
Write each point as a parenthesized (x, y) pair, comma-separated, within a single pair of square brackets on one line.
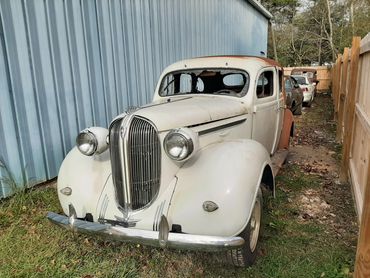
[(310, 102), (246, 255), (298, 109)]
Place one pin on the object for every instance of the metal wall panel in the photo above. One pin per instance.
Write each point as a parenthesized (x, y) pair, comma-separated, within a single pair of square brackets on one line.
[(69, 64)]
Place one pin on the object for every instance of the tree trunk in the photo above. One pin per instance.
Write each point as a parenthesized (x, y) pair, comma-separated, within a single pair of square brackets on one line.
[(330, 30), (273, 40), (320, 42), (352, 19)]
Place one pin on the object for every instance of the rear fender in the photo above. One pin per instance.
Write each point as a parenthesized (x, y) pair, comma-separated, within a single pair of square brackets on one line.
[(228, 174)]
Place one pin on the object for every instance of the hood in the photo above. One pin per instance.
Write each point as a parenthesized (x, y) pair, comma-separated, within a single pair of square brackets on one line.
[(190, 111)]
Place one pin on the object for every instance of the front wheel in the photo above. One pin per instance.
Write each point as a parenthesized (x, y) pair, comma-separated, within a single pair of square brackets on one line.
[(298, 109), (310, 102), (246, 255)]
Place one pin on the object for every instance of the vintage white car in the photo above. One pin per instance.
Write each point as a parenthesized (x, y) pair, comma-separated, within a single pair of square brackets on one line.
[(307, 87), (186, 170)]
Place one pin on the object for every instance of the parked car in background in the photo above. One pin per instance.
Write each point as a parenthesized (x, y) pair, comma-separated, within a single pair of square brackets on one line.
[(307, 87), (187, 170), (294, 95), (311, 73)]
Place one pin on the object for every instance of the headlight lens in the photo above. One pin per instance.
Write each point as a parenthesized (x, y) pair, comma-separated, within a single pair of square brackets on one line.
[(178, 145), (87, 142)]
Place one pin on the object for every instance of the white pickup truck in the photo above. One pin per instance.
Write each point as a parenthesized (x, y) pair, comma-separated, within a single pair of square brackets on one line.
[(186, 170)]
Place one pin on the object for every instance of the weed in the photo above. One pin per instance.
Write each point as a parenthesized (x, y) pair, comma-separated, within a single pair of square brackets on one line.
[(19, 189)]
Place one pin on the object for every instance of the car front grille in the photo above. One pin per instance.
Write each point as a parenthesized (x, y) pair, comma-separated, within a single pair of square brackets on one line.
[(136, 162)]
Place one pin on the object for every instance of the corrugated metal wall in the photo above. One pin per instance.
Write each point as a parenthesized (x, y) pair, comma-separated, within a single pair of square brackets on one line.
[(69, 64)]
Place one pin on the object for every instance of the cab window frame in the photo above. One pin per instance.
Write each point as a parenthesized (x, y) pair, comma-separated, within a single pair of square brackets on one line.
[(271, 77)]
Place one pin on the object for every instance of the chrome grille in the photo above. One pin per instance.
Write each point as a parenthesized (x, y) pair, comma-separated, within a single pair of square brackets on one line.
[(115, 143), (144, 158), (137, 184)]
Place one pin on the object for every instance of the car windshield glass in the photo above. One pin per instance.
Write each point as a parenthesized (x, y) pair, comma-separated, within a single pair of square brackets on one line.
[(205, 81), (301, 80)]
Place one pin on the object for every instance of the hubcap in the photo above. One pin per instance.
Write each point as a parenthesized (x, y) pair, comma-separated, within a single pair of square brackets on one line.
[(255, 225)]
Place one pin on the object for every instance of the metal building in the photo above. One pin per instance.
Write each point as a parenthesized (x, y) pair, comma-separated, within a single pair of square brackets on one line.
[(69, 64)]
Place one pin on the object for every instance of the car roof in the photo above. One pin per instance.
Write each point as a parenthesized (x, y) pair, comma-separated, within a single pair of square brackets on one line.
[(224, 61), (304, 70), (299, 75)]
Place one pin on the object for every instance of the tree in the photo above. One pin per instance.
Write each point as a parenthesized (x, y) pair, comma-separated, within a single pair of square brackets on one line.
[(316, 30)]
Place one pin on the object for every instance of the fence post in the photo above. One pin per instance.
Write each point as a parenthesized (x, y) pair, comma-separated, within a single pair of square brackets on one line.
[(349, 114), (337, 84), (342, 94), (333, 79)]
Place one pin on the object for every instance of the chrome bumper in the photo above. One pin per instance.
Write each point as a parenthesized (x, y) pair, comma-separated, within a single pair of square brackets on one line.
[(174, 240)]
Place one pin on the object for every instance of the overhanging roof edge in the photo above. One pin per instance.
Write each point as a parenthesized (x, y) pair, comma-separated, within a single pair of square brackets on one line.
[(260, 8)]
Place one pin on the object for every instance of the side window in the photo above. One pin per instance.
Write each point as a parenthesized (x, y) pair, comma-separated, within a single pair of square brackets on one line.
[(281, 80), (200, 85), (288, 85), (265, 84), (295, 84), (185, 83)]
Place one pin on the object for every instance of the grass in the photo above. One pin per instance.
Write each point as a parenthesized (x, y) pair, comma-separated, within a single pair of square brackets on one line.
[(33, 247)]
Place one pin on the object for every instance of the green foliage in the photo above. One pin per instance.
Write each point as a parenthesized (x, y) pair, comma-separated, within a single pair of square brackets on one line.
[(302, 28), (282, 10), (7, 178)]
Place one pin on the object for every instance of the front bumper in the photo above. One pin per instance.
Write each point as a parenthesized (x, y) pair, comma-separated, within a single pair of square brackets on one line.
[(152, 238), (307, 97)]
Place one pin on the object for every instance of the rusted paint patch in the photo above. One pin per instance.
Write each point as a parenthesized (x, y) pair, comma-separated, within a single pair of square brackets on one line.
[(285, 133)]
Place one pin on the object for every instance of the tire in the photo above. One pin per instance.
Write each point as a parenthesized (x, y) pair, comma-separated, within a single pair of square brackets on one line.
[(310, 102), (298, 109), (246, 256)]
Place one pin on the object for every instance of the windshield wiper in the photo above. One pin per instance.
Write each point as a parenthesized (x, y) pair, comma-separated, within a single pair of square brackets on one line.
[(169, 83)]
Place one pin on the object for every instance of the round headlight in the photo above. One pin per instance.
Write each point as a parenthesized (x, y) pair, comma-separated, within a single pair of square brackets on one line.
[(87, 142), (178, 145)]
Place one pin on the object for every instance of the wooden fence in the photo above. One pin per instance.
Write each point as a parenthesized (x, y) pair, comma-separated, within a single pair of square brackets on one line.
[(351, 96), (323, 75)]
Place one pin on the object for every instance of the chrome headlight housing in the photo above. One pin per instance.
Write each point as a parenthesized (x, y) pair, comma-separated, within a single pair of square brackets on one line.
[(180, 144), (92, 141)]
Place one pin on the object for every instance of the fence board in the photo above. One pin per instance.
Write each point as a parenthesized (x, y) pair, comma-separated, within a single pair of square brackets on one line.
[(362, 266), (355, 121), (342, 93), (350, 106), (338, 74)]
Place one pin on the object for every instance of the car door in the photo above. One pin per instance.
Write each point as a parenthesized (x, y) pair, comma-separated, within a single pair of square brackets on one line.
[(297, 93), (288, 91), (268, 103)]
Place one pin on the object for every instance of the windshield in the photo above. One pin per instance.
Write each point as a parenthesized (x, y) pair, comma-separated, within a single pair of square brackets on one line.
[(205, 81), (301, 80)]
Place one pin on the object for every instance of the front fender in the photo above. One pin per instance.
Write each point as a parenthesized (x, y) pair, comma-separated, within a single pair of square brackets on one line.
[(227, 173), (86, 176)]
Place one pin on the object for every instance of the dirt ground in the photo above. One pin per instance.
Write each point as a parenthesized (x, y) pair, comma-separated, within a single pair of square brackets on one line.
[(316, 153)]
